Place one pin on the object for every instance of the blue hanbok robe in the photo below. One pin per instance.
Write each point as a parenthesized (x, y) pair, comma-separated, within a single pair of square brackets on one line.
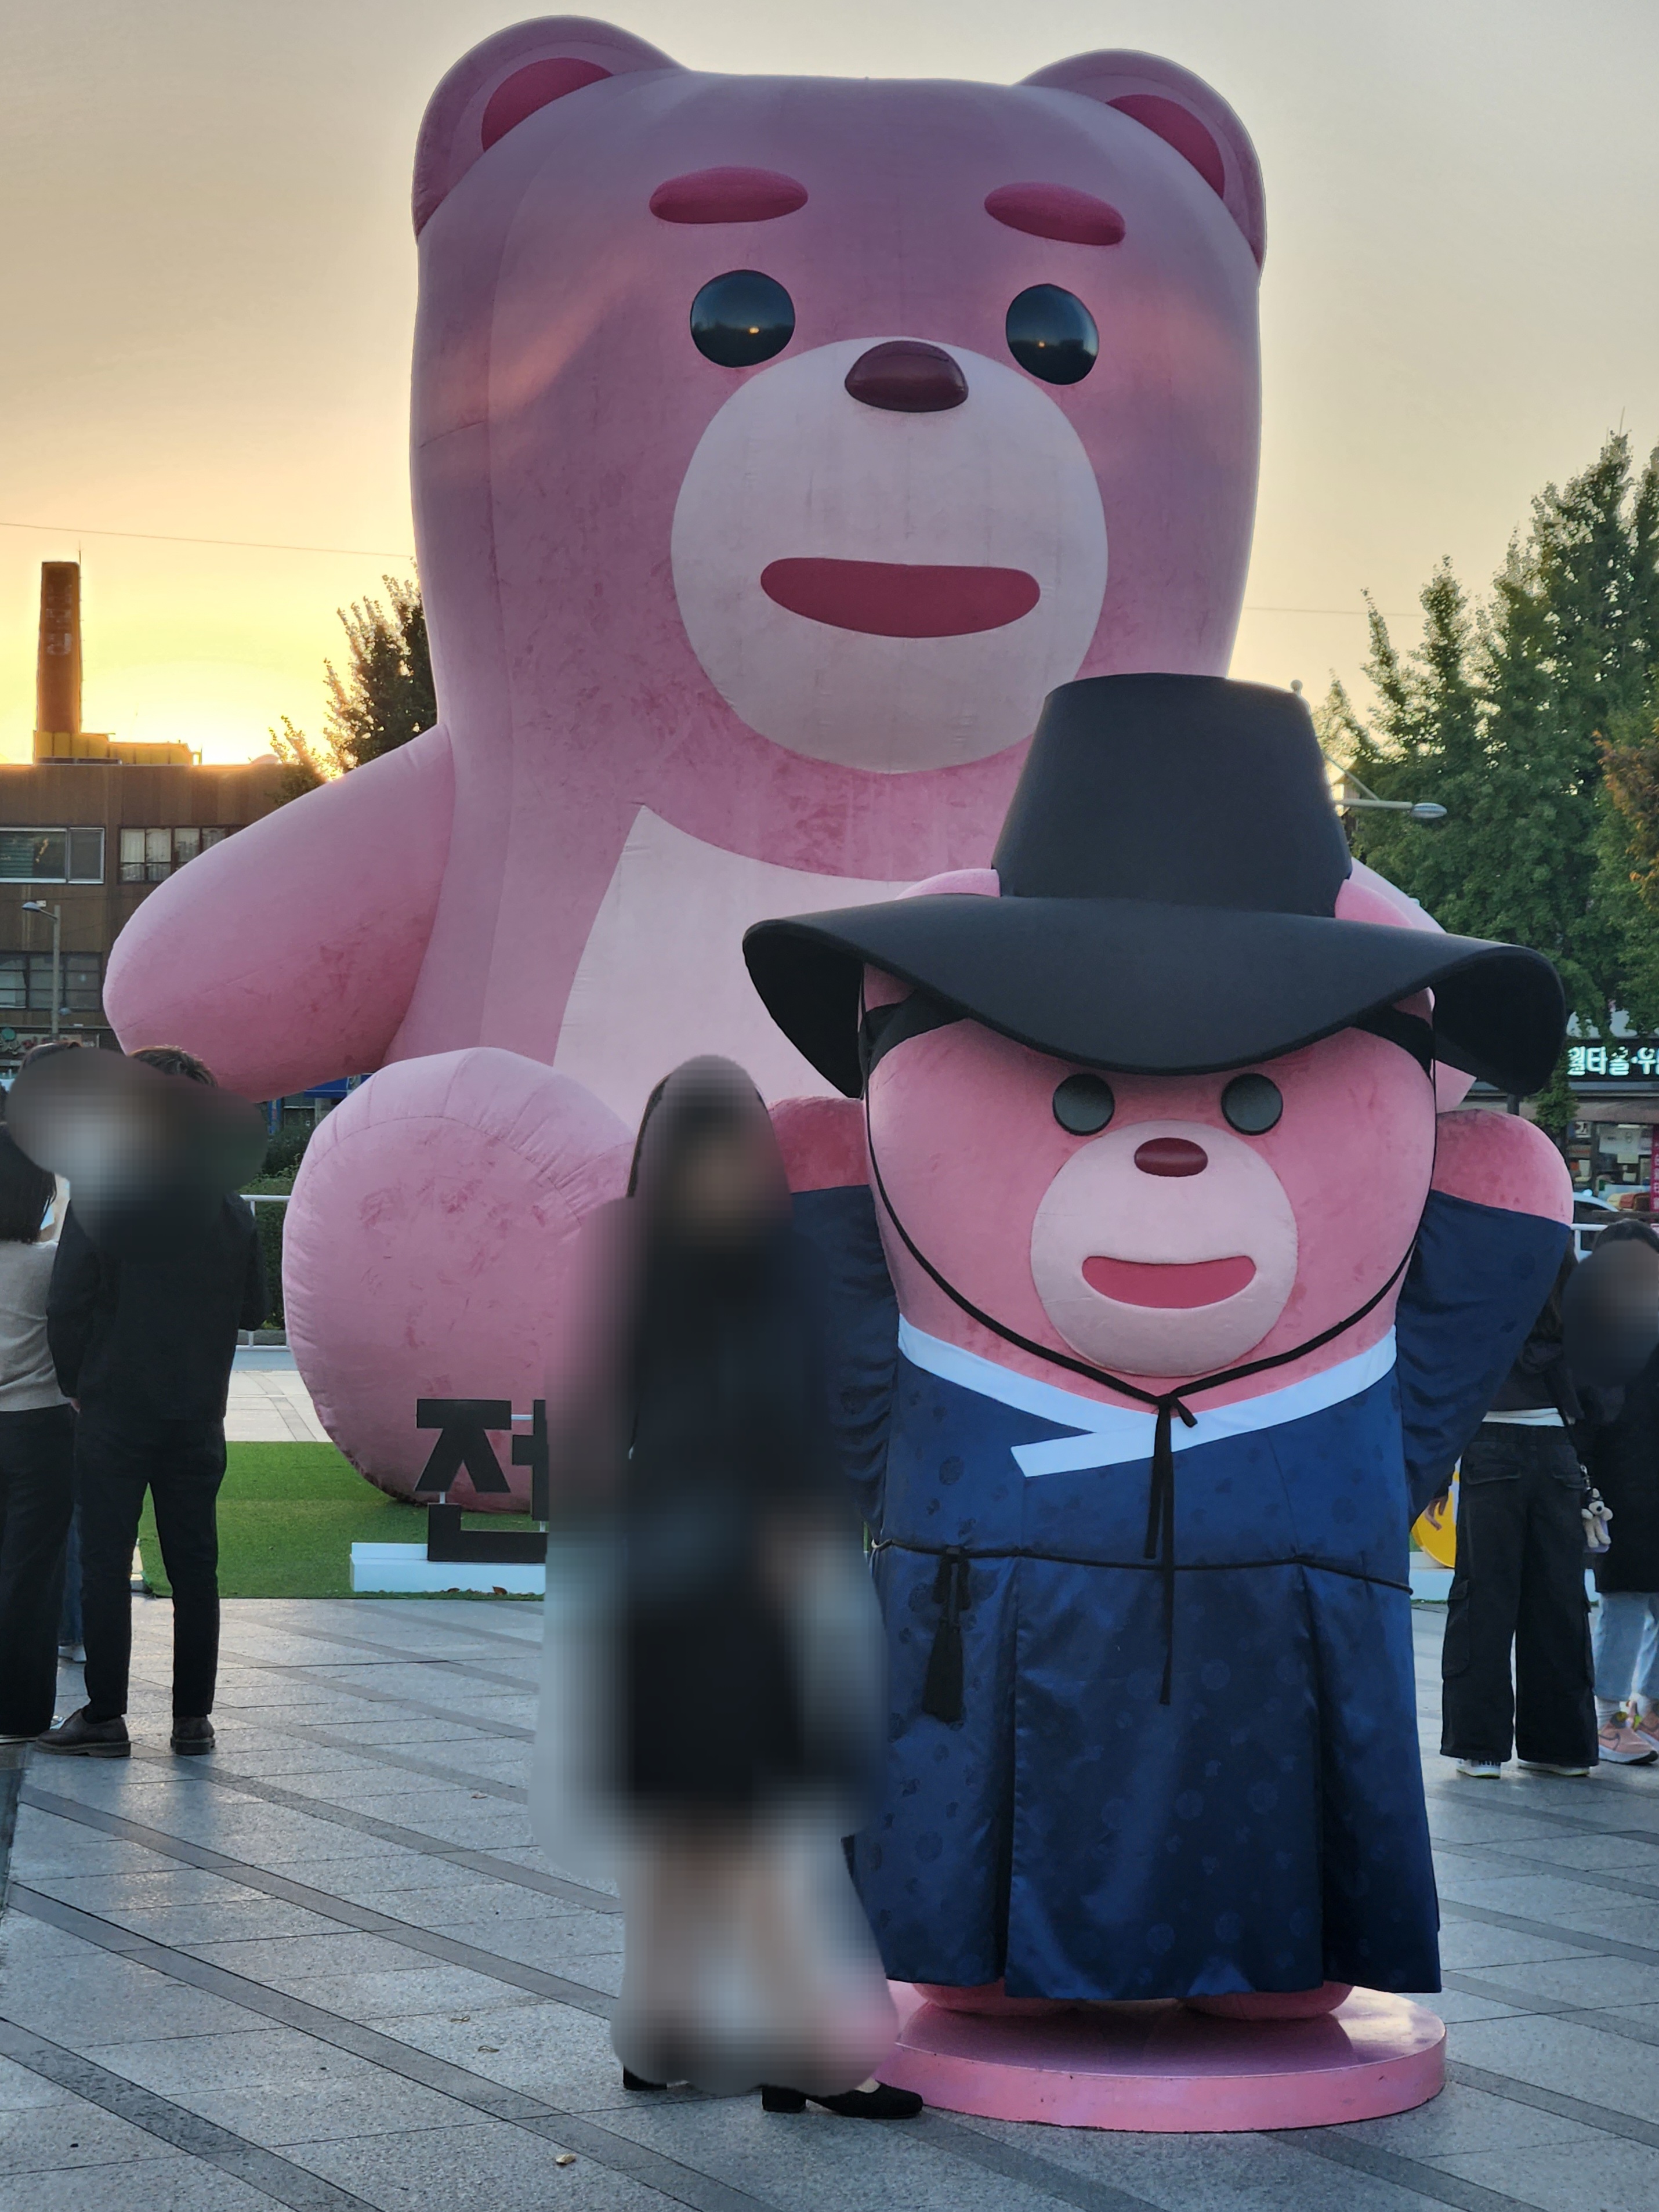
[(1069, 1833)]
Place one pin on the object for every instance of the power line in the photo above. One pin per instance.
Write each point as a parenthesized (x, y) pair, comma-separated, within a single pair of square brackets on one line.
[(1389, 614), (380, 553), (245, 544)]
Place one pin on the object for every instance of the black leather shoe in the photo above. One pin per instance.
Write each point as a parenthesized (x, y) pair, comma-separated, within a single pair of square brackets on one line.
[(88, 1739), (190, 1737), (881, 2103), (633, 2081)]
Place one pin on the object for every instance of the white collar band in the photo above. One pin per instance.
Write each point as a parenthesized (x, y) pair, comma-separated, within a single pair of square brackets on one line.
[(1115, 1434)]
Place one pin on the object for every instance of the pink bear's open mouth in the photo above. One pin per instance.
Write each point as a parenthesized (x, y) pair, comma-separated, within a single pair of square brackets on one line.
[(899, 599), (1140, 1283)]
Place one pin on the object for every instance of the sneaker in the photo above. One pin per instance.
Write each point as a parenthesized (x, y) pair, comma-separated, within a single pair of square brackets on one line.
[(88, 1739), (1646, 1725), (1481, 1770), (1549, 1766), (1619, 1744), (191, 1737)]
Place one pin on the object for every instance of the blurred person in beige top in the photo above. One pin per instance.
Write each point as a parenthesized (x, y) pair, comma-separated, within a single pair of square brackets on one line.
[(37, 1454)]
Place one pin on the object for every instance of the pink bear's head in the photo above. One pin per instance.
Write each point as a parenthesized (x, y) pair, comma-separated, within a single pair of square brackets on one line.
[(1159, 1228), (850, 417), (1157, 1092)]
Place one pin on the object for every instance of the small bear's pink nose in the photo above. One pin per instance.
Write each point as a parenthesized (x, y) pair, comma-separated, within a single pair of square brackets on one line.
[(907, 378), (1172, 1156)]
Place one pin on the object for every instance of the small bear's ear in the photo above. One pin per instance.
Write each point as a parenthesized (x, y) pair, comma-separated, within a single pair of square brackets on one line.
[(1181, 109), (507, 78)]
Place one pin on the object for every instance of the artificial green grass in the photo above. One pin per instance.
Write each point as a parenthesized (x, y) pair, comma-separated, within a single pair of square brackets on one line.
[(288, 1516)]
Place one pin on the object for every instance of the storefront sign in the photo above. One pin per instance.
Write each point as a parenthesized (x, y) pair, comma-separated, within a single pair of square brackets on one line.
[(1621, 1060)]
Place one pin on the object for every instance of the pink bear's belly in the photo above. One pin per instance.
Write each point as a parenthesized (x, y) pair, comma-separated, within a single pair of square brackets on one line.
[(662, 977)]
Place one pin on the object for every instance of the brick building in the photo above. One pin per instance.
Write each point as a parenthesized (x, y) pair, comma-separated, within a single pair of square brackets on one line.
[(88, 828)]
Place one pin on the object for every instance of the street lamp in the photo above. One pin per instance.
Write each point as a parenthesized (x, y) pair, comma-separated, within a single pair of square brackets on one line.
[(55, 916), (1414, 809)]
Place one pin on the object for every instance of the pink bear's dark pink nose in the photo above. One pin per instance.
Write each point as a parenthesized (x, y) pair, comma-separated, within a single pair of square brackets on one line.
[(907, 378), (1172, 1156)]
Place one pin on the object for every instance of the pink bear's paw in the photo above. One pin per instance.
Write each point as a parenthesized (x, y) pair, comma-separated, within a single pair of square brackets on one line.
[(427, 1251), (1274, 2004), (991, 2001)]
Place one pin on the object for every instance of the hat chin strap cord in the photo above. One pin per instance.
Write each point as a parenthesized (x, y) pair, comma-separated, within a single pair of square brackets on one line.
[(945, 1663)]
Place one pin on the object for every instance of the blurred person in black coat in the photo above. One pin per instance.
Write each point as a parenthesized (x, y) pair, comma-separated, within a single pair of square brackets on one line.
[(37, 1455), (147, 1298), (1518, 1582), (1623, 1465)]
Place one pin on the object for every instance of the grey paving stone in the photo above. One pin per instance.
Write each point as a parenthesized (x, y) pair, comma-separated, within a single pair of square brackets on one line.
[(1580, 1981), (547, 2050), (279, 2086), (69, 2132), (19, 2088), (1594, 1854), (1605, 2175), (169, 2184), (1463, 2119), (470, 1906), (421, 1987), (1554, 1901), (1567, 2056), (442, 2170), (802, 2163), (1467, 1943), (284, 1962), (1457, 2005)]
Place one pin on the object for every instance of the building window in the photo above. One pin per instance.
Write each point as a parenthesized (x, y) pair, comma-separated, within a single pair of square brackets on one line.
[(149, 856), (29, 855), (26, 983)]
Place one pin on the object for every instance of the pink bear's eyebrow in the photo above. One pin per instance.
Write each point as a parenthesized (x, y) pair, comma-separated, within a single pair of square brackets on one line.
[(1056, 211), (727, 195)]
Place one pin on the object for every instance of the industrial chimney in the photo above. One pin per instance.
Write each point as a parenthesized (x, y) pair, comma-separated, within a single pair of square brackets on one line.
[(57, 667)]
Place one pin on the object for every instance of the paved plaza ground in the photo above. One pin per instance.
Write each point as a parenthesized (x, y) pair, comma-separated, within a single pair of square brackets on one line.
[(326, 1968)]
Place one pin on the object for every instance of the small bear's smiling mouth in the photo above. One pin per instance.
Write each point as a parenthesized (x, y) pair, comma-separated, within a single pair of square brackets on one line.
[(1169, 1287), (899, 599)]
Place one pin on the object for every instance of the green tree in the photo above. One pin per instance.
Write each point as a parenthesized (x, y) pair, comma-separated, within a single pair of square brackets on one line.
[(384, 697), (1502, 714)]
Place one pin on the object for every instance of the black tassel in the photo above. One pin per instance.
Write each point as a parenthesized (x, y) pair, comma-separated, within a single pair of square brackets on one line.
[(1160, 1526), (941, 1693)]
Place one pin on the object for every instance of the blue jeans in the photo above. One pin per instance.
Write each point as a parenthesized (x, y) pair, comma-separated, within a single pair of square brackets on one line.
[(1627, 1635)]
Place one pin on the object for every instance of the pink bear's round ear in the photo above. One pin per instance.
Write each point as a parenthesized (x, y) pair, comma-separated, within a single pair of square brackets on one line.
[(1181, 109), (492, 89)]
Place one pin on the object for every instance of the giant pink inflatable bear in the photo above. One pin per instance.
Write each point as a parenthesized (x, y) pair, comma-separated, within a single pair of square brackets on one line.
[(778, 445)]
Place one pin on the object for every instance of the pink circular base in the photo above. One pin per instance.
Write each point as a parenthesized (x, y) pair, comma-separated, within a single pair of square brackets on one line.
[(1159, 2069)]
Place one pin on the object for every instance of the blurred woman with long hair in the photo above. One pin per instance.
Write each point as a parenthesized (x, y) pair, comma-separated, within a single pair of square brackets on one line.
[(741, 1699)]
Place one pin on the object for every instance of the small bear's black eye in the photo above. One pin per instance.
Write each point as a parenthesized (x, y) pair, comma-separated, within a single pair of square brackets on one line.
[(742, 317), (1084, 1104), (1252, 1104), (1053, 334)]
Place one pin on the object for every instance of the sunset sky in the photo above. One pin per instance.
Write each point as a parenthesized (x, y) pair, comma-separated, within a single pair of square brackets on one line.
[(209, 284)]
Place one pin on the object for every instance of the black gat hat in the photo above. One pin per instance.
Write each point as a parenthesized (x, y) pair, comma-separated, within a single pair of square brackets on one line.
[(1170, 869)]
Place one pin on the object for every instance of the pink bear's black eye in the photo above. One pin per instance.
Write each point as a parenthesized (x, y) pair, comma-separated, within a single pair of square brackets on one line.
[(1053, 334), (741, 317), (1252, 1105), (1083, 1104)]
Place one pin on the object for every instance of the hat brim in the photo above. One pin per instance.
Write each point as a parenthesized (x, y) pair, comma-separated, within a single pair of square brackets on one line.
[(1148, 989)]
